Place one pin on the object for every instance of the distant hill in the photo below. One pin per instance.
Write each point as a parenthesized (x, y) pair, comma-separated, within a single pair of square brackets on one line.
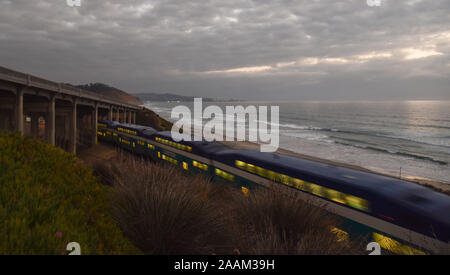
[(173, 97), (106, 90)]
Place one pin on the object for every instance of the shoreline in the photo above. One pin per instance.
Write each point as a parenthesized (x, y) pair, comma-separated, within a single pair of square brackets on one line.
[(430, 183)]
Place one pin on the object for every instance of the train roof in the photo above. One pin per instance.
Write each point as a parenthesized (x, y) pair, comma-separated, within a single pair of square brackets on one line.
[(109, 123), (203, 148), (141, 130)]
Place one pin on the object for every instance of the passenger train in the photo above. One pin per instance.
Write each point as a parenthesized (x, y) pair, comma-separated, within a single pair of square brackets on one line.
[(401, 216)]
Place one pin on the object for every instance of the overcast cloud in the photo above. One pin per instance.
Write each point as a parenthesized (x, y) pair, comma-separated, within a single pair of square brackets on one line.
[(260, 50)]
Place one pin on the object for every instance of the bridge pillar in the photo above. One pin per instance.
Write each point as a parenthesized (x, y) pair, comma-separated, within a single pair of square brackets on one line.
[(117, 115), (74, 133), (134, 117), (110, 114), (51, 123), (19, 111), (125, 117), (94, 124)]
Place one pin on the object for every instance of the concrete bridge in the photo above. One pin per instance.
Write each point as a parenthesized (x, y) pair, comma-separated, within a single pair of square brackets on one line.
[(60, 114)]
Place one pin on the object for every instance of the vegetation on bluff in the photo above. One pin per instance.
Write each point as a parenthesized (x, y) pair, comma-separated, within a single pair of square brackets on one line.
[(163, 210), (49, 198)]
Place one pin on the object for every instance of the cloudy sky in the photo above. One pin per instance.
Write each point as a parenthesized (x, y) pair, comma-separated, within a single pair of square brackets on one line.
[(262, 50)]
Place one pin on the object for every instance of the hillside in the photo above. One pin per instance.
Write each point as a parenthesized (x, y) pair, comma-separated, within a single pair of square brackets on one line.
[(106, 90), (49, 198)]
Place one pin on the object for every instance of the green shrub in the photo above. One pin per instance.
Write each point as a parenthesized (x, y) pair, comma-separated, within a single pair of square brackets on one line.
[(48, 198), (163, 210)]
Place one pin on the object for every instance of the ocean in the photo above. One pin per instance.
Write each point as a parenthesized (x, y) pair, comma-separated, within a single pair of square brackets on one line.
[(407, 137)]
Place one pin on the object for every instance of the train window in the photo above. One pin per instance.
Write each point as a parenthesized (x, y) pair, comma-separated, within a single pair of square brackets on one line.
[(284, 179), (151, 146), (224, 174), (159, 154), (127, 131), (261, 171), (335, 196), (240, 164), (315, 189), (299, 184), (169, 159), (395, 246), (124, 141), (174, 144), (185, 166), (251, 168), (200, 165), (101, 125), (357, 203), (245, 191)]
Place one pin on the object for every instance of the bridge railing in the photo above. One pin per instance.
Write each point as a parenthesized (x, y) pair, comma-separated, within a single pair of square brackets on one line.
[(34, 81)]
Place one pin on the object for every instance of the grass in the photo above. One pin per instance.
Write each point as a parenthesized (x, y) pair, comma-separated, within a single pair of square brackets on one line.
[(165, 211), (48, 198)]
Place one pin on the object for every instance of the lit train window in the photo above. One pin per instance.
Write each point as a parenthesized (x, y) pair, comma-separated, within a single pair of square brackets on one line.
[(356, 202), (174, 144), (140, 142), (102, 125), (169, 159), (159, 154), (394, 246), (224, 174), (151, 146), (124, 141), (127, 131), (240, 164), (335, 196), (316, 189), (309, 187), (245, 191), (185, 166), (200, 165)]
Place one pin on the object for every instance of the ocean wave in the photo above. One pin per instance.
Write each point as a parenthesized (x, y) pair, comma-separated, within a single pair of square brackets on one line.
[(391, 152), (416, 140)]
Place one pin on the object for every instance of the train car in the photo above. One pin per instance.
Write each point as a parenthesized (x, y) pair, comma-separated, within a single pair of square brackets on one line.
[(104, 132), (379, 204)]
